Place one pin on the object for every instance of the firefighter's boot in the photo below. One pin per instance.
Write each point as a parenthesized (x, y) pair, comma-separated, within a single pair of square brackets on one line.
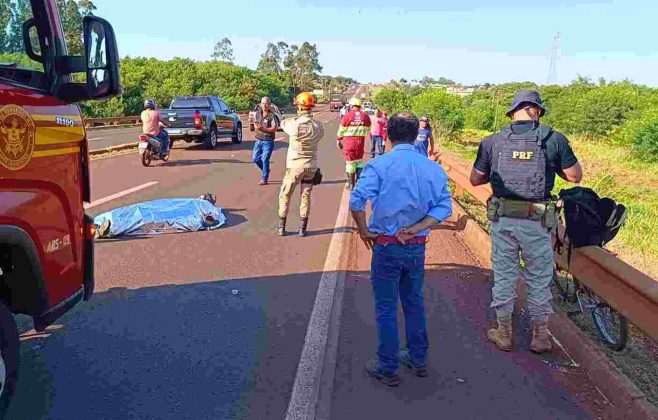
[(502, 336), (281, 227), (303, 224), (541, 340)]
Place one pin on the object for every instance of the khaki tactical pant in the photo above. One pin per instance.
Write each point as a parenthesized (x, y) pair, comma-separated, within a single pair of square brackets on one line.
[(513, 239), (293, 177)]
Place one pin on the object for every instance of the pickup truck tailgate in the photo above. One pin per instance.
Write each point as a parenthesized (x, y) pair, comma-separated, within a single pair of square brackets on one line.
[(178, 118)]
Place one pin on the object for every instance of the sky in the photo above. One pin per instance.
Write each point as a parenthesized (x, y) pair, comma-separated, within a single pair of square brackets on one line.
[(469, 41)]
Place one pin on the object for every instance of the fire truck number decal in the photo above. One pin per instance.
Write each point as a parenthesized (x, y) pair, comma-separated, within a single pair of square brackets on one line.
[(57, 244), (16, 137), (64, 121)]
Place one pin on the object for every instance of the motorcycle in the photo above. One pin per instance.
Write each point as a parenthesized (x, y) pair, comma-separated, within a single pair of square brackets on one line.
[(149, 149)]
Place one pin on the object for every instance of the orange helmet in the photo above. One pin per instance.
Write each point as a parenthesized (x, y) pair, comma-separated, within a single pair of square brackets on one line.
[(305, 101)]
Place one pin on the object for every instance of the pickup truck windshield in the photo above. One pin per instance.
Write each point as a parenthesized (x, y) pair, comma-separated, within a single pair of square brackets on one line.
[(336, 98), (190, 103)]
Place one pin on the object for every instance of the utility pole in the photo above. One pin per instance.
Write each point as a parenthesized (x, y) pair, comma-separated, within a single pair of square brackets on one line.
[(552, 69)]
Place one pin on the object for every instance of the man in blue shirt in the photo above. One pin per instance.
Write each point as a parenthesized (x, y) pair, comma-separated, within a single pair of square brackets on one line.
[(409, 195)]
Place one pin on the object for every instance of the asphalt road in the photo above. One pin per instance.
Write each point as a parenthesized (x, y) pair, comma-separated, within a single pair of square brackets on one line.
[(469, 378), (102, 139), (210, 325), (165, 337)]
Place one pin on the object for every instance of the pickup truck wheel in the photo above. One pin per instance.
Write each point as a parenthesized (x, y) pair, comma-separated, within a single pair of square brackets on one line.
[(211, 139), (237, 136), (9, 357)]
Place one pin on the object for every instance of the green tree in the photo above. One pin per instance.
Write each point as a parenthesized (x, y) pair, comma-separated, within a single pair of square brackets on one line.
[(427, 81), (72, 22), (393, 100), (223, 51), (20, 11), (303, 65), (87, 7), (479, 110), (444, 110), (271, 60), (5, 20)]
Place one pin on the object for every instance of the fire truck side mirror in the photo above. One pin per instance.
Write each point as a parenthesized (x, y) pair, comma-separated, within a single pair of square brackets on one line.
[(102, 55), (29, 39), (100, 64)]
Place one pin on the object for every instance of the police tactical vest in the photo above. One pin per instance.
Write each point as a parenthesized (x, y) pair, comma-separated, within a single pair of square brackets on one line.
[(520, 172)]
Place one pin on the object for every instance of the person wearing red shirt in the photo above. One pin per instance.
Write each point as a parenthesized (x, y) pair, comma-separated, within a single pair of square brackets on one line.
[(354, 127)]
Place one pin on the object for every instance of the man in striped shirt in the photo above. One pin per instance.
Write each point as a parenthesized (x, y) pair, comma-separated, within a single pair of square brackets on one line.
[(351, 138)]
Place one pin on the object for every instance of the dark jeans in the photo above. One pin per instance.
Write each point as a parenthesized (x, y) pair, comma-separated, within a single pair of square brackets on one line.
[(261, 156), (376, 141), (163, 136), (398, 272)]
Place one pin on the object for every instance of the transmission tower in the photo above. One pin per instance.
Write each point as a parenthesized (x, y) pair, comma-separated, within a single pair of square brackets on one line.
[(552, 69)]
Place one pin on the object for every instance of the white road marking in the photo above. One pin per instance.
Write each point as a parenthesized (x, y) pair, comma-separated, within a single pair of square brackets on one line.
[(96, 138), (309, 371), (119, 194)]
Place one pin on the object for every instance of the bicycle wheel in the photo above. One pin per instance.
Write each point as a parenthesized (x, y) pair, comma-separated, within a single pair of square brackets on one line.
[(612, 326), (565, 285)]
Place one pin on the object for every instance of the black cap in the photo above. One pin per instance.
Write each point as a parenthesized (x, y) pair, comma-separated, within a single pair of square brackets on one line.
[(523, 97)]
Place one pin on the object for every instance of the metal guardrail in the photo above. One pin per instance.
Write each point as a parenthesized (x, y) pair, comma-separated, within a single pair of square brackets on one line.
[(628, 290)]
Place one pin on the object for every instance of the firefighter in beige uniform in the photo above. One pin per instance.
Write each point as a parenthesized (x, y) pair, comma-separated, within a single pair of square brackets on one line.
[(301, 165)]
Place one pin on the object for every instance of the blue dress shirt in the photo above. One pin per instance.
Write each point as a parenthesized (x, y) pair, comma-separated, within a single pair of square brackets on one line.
[(403, 187)]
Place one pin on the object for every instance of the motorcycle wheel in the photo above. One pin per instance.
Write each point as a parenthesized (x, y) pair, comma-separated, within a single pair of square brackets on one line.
[(147, 158)]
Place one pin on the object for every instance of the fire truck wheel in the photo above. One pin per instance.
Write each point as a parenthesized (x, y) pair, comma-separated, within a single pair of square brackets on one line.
[(9, 355)]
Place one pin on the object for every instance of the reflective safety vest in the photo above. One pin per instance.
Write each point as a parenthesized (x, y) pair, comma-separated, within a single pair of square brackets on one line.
[(355, 124), (520, 172)]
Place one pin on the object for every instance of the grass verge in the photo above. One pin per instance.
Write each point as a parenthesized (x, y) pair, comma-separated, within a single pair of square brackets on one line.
[(612, 171)]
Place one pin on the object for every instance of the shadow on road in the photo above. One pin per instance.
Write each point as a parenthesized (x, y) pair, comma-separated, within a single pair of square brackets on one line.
[(217, 350), (233, 218), (229, 349), (331, 231)]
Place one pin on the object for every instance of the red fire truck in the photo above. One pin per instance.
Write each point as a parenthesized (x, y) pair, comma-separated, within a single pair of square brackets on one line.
[(46, 239)]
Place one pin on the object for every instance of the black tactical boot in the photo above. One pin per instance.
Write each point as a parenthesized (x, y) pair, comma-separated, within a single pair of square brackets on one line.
[(303, 224), (281, 227)]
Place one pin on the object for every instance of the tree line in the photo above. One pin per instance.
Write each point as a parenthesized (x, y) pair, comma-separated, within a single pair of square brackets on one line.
[(13, 13), (620, 112), (283, 70)]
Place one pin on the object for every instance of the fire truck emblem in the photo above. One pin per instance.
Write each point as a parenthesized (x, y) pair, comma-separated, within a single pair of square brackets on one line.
[(16, 137)]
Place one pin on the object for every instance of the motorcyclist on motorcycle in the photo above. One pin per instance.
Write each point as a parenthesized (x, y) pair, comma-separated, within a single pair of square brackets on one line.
[(152, 126)]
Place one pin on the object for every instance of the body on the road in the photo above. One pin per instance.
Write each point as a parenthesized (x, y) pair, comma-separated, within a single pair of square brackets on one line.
[(354, 128), (409, 194), (521, 162), (302, 161), (424, 143), (152, 124), (266, 125)]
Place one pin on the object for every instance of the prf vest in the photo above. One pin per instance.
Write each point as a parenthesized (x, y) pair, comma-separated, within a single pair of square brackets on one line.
[(519, 169)]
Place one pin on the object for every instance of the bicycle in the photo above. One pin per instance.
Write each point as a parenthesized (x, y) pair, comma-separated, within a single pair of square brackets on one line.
[(610, 324)]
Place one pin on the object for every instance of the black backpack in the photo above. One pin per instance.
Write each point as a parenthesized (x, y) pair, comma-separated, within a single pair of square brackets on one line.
[(589, 219)]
